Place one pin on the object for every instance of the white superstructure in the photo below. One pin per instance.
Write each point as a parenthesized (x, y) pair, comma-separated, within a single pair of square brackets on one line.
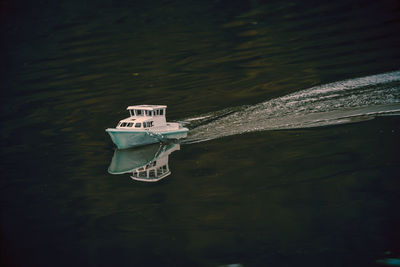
[(144, 116)]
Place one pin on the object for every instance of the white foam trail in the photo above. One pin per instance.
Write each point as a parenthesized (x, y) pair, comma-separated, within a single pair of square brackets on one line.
[(334, 103)]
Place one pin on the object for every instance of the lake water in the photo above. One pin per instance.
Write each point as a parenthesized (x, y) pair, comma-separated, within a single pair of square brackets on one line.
[(292, 157)]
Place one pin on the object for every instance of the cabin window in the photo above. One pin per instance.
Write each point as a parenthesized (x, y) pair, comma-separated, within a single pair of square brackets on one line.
[(152, 174), (129, 124), (148, 124), (138, 125), (132, 113), (123, 124), (142, 174), (164, 168), (159, 171), (161, 112), (139, 112)]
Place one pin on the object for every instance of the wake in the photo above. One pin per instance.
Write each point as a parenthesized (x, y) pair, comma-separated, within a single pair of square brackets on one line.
[(329, 104)]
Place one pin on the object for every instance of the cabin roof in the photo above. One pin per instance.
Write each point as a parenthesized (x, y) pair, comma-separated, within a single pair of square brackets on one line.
[(146, 107), (137, 119)]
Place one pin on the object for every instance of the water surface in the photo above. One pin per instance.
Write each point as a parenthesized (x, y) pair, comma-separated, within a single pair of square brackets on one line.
[(292, 158)]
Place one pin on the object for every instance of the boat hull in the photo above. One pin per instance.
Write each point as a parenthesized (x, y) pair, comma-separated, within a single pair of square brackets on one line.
[(126, 139)]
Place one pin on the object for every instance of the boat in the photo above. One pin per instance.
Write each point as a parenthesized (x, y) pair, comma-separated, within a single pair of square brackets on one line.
[(146, 163), (145, 125)]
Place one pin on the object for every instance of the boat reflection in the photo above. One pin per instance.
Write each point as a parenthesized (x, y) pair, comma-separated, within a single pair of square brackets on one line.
[(147, 163)]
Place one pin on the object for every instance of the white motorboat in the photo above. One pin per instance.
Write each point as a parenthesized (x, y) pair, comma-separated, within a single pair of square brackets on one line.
[(146, 125)]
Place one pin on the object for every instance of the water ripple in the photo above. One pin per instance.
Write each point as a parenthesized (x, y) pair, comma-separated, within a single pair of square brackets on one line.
[(329, 104)]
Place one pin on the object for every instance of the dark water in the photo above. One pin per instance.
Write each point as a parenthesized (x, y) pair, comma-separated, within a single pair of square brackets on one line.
[(293, 155)]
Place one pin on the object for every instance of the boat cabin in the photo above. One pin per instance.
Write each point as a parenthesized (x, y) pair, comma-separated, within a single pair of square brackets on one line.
[(144, 117)]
